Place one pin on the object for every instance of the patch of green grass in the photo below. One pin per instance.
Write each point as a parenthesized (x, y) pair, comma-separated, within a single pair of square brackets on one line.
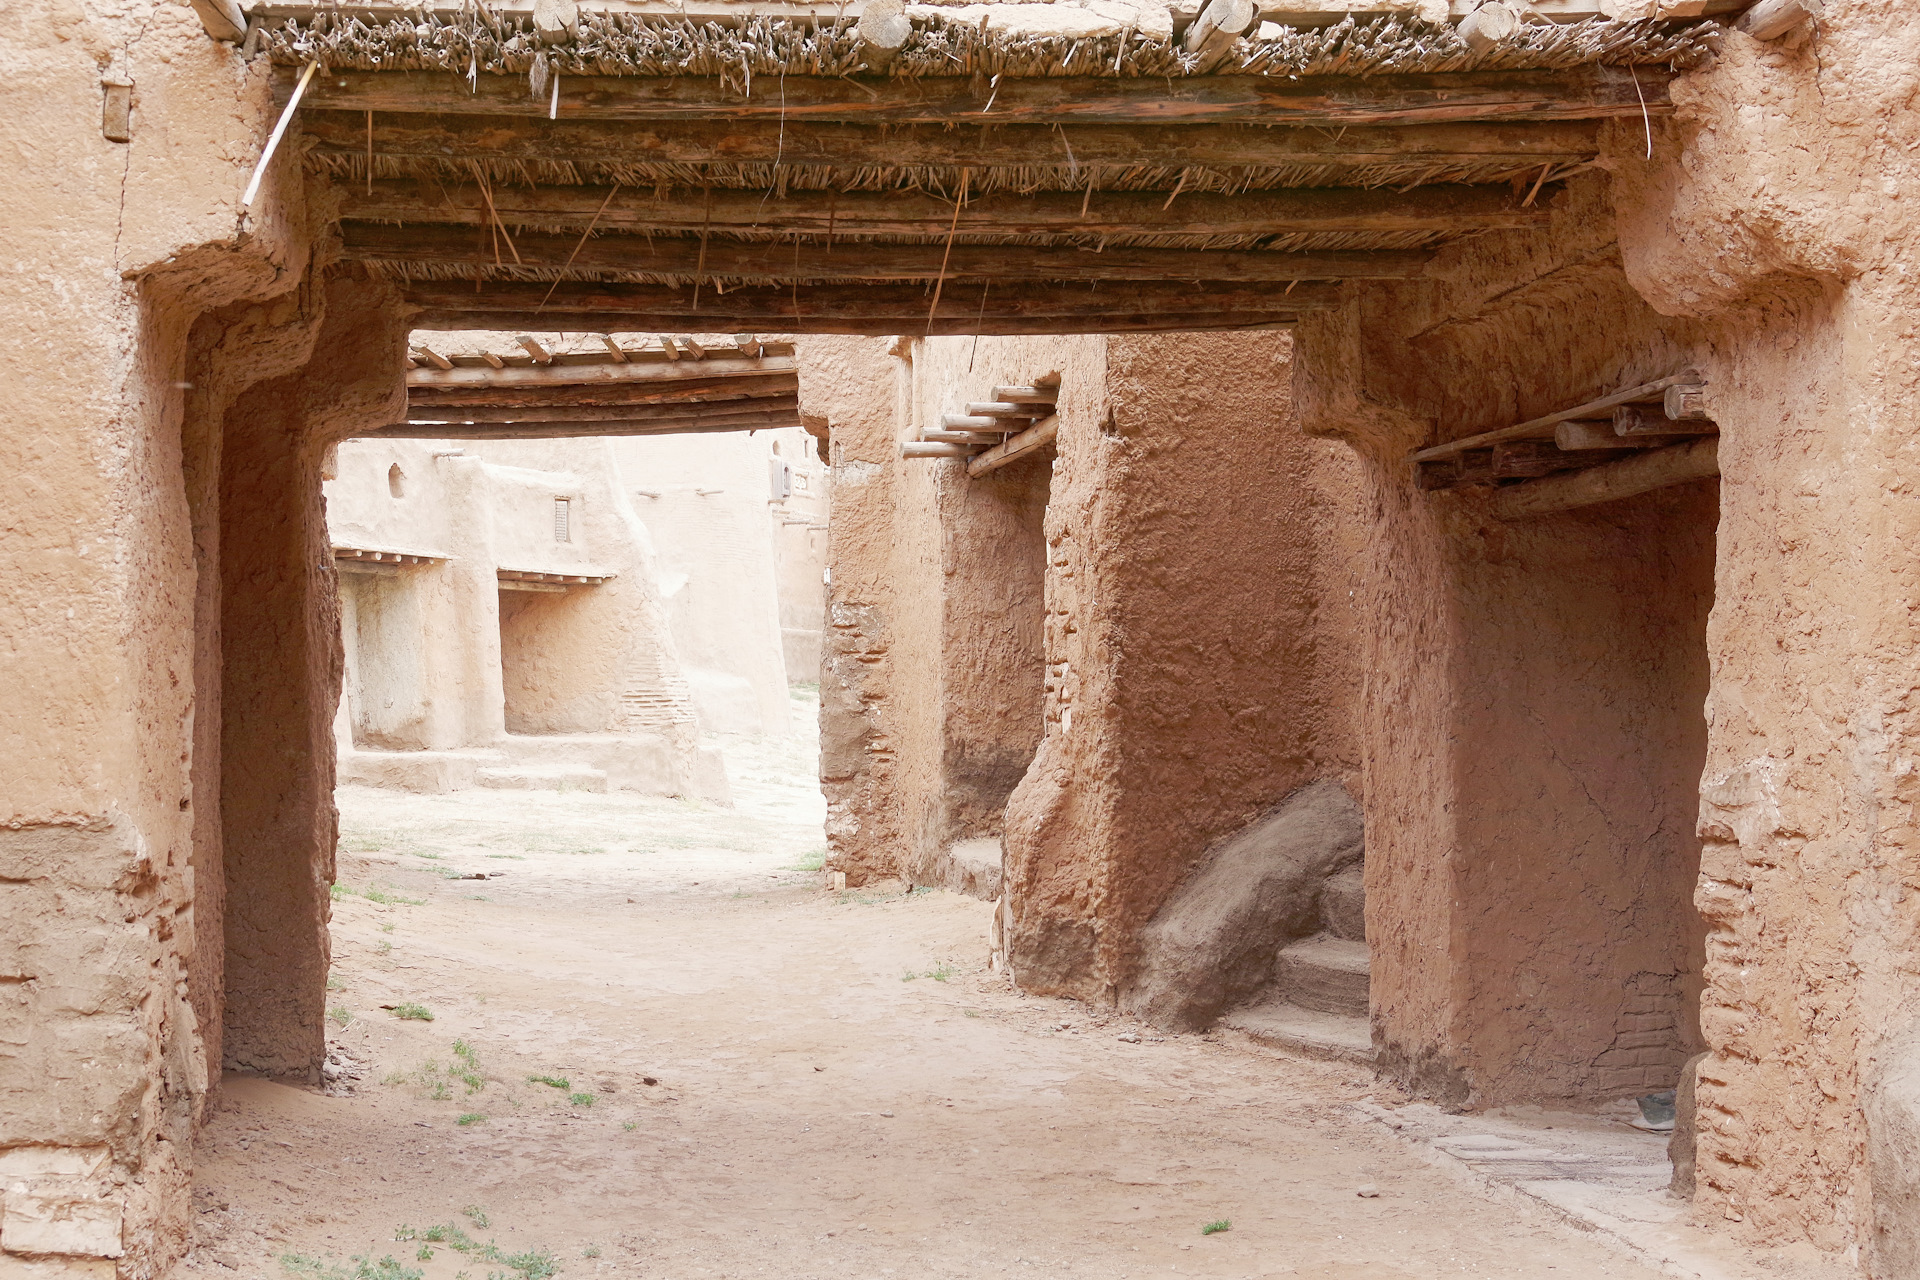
[(517, 857), (334, 984), (387, 897), (477, 1216), (555, 1082), (530, 1264), (340, 1014), (629, 1126), (413, 1013), (385, 947), (580, 1099), (941, 972), (811, 860), (361, 844), (386, 1268), (590, 1251), (386, 926), (469, 1117), (1214, 1227), (425, 1254), (467, 1067)]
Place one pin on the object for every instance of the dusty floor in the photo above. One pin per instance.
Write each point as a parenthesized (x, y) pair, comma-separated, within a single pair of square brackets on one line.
[(659, 1049)]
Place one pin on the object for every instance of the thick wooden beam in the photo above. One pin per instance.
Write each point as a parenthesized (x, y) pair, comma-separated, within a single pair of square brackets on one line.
[(692, 391), (1641, 473), (1439, 209), (772, 263), (779, 307), (599, 413), (873, 325), (548, 430), (641, 367), (831, 143), (1578, 93)]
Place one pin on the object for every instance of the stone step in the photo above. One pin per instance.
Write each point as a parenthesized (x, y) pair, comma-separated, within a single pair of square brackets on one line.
[(539, 777), (1329, 1036), (1324, 974)]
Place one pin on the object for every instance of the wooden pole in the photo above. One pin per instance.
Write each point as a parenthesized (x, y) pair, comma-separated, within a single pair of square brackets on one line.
[(1033, 439), (1641, 473)]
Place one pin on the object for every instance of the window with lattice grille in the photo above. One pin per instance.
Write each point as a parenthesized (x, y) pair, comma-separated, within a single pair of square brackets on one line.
[(563, 519)]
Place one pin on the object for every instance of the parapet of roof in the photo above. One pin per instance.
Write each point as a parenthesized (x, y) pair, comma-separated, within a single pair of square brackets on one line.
[(975, 40)]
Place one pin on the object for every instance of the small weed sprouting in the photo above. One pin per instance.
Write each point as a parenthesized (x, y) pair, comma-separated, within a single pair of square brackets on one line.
[(812, 860), (385, 947), (477, 1216), (580, 1099), (1216, 1226), (388, 898), (941, 972), (336, 892), (438, 1091), (531, 1264), (340, 1014), (424, 1255), (387, 1268), (334, 984), (394, 1078), (554, 1082), (470, 1117), (468, 1069), (386, 926), (517, 857), (591, 1251), (629, 1126), (413, 1013), (971, 1013)]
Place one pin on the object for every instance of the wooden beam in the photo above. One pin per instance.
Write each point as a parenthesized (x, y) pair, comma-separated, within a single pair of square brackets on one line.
[(549, 430), (734, 259), (640, 366), (613, 394), (1030, 441), (1641, 473), (1577, 93), (598, 413), (1439, 208), (408, 136), (1771, 19), (914, 323), (780, 306), (1539, 428)]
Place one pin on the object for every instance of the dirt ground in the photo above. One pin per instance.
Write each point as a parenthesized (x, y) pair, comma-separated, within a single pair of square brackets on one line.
[(658, 1048)]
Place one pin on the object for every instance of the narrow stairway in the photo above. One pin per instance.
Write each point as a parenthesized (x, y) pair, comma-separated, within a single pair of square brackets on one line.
[(1317, 1004)]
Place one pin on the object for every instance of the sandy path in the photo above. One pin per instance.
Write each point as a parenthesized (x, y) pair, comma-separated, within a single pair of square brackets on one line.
[(816, 1112)]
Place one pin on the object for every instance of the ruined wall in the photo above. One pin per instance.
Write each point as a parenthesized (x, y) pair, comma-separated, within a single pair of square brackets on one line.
[(1533, 724), (1196, 674), (1776, 213), (851, 386)]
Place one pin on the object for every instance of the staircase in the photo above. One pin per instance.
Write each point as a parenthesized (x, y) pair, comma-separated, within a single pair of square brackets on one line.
[(1317, 1005)]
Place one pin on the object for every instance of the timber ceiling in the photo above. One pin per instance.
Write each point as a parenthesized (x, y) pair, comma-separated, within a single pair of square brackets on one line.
[(623, 170)]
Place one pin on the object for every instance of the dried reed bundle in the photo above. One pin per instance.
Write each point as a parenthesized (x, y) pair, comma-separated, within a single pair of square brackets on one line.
[(763, 45)]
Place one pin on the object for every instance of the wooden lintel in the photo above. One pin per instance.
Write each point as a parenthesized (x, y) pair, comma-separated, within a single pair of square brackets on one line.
[(1033, 439), (1542, 428), (1577, 93), (872, 326), (636, 369), (1438, 208), (613, 413), (409, 136), (561, 430), (616, 394), (734, 260), (1640, 473), (779, 307)]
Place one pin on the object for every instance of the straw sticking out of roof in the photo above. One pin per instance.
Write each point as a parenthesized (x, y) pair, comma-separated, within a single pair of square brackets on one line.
[(628, 44)]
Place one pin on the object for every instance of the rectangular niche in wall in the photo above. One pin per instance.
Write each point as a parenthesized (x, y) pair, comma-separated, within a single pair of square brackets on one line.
[(384, 638)]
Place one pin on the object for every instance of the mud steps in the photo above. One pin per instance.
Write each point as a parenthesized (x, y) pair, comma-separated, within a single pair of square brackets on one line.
[(1318, 1003)]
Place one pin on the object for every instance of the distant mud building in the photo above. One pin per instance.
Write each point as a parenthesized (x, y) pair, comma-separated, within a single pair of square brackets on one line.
[(1389, 523)]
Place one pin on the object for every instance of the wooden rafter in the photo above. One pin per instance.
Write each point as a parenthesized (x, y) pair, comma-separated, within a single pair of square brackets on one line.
[(1580, 93), (518, 139), (770, 262), (757, 406), (1433, 209), (916, 322), (650, 368)]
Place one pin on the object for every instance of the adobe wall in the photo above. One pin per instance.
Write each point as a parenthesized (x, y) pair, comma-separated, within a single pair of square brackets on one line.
[(111, 825), (934, 666), (1776, 213), (1199, 666)]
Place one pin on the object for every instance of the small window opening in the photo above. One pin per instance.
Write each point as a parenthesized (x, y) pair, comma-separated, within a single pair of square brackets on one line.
[(563, 519), (396, 481)]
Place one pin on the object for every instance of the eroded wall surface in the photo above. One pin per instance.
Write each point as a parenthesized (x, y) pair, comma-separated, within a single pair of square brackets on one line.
[(1199, 659)]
